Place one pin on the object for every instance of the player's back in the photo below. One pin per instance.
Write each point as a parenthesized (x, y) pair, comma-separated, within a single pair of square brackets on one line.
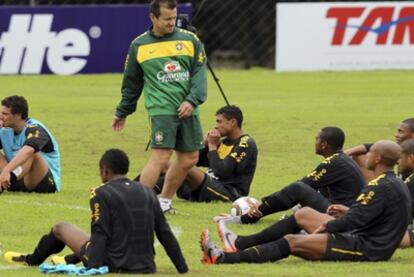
[(130, 245)]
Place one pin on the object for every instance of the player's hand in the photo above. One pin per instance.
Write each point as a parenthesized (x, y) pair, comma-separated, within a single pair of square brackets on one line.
[(5, 180), (321, 229), (118, 124), (254, 209), (213, 139), (1, 123), (337, 210), (185, 110)]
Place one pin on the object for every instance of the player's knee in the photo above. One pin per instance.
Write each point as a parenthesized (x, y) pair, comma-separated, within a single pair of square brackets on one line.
[(298, 188), (301, 215), (189, 160), (161, 159), (292, 240), (58, 228)]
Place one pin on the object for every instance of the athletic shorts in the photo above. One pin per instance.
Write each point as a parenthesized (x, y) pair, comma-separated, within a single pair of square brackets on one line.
[(410, 230), (83, 253), (169, 131), (46, 185), (344, 247), (209, 190)]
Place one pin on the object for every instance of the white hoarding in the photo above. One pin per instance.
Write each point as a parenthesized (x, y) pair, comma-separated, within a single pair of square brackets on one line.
[(344, 36)]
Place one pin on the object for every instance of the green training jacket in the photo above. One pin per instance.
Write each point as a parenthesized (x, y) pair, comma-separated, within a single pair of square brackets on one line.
[(169, 69)]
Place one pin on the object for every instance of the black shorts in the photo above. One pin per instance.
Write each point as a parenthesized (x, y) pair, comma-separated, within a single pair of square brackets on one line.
[(209, 190), (410, 230), (46, 185), (344, 247), (83, 253)]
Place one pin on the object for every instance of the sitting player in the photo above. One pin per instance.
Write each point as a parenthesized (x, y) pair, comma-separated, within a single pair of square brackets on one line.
[(336, 180), (404, 131), (406, 164), (231, 157), (125, 215), (30, 161), (370, 230)]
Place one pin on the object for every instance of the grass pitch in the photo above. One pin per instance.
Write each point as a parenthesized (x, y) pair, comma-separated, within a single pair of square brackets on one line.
[(283, 112)]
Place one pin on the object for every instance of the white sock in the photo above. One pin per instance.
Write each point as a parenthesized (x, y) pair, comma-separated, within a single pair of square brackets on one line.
[(17, 171), (165, 203)]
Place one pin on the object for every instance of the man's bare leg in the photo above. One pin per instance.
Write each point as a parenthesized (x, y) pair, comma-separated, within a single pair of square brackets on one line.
[(157, 164), (405, 242), (309, 219), (175, 176), (310, 247), (71, 235)]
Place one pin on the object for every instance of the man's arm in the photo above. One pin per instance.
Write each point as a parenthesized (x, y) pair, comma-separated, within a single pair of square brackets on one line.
[(99, 231), (358, 150), (369, 204), (198, 81), (168, 240), (132, 85), (37, 140)]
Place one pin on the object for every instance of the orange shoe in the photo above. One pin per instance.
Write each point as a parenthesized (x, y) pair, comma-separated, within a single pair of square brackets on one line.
[(227, 237), (211, 253)]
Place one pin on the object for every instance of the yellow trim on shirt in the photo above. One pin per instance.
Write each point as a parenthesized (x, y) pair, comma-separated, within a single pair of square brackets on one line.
[(165, 49)]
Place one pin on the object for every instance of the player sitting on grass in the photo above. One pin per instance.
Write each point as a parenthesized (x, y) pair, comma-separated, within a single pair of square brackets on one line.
[(370, 230), (406, 164), (30, 161), (404, 131), (231, 158), (125, 215), (336, 180)]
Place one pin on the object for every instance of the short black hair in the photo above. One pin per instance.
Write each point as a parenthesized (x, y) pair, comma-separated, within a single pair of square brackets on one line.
[(334, 136), (231, 112), (407, 146), (155, 6), (115, 160), (17, 104), (410, 123)]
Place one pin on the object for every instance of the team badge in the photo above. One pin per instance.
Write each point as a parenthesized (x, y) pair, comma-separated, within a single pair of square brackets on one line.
[(179, 46), (159, 137), (201, 57)]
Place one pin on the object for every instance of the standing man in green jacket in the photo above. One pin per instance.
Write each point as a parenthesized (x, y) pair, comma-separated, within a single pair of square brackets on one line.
[(169, 65)]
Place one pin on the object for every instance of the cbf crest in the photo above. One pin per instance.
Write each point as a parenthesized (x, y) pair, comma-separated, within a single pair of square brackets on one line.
[(159, 137), (179, 46)]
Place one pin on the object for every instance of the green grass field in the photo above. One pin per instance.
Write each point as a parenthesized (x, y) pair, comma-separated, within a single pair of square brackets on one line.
[(283, 112)]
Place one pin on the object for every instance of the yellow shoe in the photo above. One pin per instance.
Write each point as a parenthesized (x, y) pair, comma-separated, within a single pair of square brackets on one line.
[(56, 259), (15, 258)]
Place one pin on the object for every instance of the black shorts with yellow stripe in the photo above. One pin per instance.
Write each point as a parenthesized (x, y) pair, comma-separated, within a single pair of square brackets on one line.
[(209, 190), (344, 247)]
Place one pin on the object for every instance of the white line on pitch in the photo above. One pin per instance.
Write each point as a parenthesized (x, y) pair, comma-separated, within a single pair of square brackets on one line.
[(42, 204)]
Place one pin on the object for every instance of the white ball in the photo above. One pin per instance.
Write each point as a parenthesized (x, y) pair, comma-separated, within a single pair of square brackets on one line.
[(241, 205)]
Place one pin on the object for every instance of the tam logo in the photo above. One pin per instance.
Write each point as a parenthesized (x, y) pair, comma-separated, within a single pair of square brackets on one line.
[(29, 42), (378, 21), (172, 66)]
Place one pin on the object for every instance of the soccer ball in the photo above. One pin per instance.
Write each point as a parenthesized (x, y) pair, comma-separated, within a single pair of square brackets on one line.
[(241, 205)]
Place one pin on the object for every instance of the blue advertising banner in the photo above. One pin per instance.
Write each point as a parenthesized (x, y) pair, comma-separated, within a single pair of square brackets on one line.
[(69, 40)]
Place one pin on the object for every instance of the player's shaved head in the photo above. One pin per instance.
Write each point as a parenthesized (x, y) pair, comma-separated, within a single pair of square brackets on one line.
[(389, 151)]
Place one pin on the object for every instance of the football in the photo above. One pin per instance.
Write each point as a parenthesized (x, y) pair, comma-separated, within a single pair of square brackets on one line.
[(241, 205)]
